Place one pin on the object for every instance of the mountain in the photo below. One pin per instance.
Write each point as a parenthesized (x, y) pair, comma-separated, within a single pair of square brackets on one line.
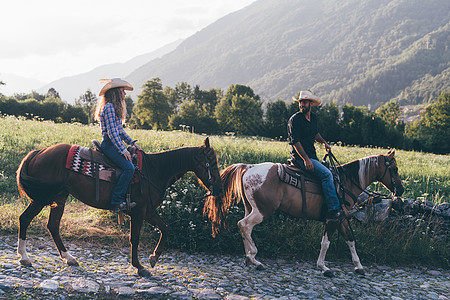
[(70, 88), (18, 84), (357, 51)]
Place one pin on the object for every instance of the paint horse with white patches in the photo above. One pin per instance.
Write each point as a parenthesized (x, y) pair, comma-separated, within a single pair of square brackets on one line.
[(262, 192)]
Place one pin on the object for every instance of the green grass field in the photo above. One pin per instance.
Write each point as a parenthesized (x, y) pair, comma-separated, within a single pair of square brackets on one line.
[(424, 176)]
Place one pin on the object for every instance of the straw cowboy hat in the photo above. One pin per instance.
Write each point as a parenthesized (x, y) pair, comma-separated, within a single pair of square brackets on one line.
[(315, 101), (114, 83)]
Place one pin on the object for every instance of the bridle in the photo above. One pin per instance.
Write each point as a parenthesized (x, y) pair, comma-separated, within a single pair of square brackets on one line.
[(208, 167), (371, 195), (388, 166)]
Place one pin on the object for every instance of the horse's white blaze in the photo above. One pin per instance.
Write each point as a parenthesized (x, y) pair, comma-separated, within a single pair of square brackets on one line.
[(355, 258), (323, 252), (22, 250)]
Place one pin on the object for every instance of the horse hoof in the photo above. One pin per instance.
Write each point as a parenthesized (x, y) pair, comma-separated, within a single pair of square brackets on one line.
[(152, 261), (73, 263), (260, 267), (144, 273), (328, 273), (360, 271), (25, 262), (247, 262)]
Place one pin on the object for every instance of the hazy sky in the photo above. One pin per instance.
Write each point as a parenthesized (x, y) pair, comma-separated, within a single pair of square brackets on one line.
[(50, 39)]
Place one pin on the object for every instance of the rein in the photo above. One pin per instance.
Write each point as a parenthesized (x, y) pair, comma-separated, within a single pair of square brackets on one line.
[(206, 165), (334, 164)]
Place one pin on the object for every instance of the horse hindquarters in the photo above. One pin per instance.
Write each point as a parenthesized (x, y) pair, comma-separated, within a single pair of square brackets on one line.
[(40, 178), (260, 191)]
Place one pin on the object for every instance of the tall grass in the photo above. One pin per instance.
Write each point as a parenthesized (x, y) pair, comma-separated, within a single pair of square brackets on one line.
[(424, 176)]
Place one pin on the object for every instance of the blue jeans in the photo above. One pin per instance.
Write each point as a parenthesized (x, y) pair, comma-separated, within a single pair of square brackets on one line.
[(120, 189), (325, 176)]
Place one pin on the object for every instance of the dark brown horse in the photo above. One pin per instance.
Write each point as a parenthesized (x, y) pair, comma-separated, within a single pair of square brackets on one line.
[(42, 177), (262, 192)]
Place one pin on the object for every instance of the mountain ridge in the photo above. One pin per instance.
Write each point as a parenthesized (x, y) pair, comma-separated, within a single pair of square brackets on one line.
[(71, 87), (339, 49)]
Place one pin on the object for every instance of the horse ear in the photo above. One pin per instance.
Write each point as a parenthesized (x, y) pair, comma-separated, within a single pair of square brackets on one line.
[(206, 142), (391, 153)]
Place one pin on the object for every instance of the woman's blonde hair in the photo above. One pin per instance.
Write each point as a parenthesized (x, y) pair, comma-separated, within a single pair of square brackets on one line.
[(113, 96)]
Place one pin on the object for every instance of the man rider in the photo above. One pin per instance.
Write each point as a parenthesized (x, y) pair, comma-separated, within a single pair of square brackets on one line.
[(302, 133)]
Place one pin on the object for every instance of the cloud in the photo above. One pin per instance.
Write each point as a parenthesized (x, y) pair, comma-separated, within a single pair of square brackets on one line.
[(52, 38)]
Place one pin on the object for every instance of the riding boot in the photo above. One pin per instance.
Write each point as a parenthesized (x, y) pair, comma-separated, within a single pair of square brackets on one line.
[(123, 207), (335, 215)]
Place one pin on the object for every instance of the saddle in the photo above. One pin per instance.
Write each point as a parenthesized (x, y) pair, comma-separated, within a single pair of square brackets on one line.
[(292, 175), (305, 182), (93, 163)]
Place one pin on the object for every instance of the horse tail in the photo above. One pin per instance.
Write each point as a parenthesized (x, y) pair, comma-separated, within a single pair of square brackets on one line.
[(33, 188), (216, 208)]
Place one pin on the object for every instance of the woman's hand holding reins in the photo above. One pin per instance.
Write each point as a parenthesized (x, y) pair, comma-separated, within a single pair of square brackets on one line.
[(127, 155)]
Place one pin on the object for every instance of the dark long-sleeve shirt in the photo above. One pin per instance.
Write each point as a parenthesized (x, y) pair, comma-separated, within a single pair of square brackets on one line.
[(303, 131)]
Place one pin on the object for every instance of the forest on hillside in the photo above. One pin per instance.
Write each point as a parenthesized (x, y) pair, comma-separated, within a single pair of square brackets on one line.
[(350, 51)]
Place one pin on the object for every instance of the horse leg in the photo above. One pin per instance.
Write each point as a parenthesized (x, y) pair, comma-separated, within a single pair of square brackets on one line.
[(246, 226), (135, 228), (156, 220), (54, 220), (344, 229), (24, 221), (330, 227)]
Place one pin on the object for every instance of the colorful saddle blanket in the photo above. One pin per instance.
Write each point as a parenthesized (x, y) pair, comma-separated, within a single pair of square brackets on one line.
[(88, 162), (293, 176)]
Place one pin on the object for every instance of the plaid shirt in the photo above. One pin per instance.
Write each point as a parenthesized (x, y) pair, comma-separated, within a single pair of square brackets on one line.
[(112, 125)]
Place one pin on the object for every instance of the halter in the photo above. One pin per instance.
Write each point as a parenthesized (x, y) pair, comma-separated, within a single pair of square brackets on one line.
[(208, 167), (388, 164)]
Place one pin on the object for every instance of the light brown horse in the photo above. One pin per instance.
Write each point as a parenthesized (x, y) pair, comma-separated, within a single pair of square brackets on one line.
[(43, 178), (262, 192)]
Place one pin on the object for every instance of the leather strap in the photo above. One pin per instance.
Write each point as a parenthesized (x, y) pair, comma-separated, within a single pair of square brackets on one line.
[(95, 173), (303, 188)]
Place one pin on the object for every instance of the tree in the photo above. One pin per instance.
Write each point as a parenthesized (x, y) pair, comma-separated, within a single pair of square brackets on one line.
[(389, 112), (240, 111), (130, 105), (431, 132), (88, 101), (276, 119), (352, 122), (74, 114), (241, 90), (328, 119), (35, 95), (194, 116), (206, 99), (153, 109), (183, 92), (52, 93), (241, 114)]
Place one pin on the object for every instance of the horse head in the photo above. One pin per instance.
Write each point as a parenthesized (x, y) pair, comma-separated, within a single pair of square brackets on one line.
[(388, 173), (207, 170)]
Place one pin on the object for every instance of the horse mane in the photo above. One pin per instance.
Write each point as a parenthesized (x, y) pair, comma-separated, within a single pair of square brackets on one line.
[(216, 208), (359, 168)]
